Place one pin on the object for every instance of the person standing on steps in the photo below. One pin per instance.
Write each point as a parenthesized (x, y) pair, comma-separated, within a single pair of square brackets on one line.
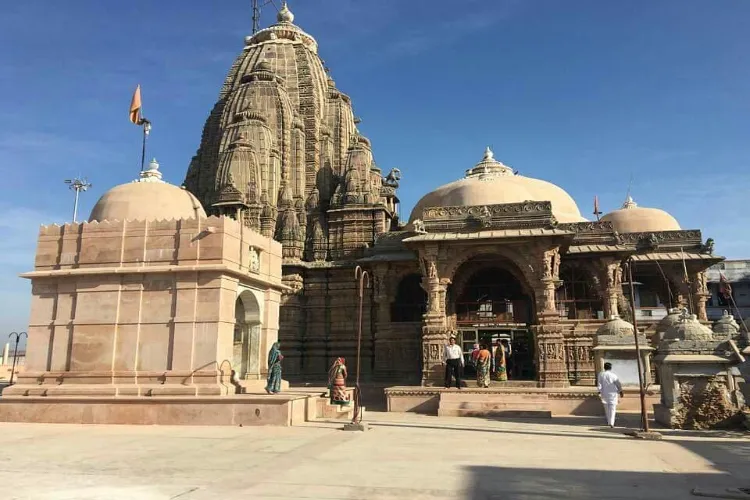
[(454, 362), (610, 390), (273, 383)]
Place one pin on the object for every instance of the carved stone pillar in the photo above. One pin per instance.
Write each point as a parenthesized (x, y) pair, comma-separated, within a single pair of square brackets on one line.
[(611, 270), (700, 292), (550, 347), (691, 292), (434, 330)]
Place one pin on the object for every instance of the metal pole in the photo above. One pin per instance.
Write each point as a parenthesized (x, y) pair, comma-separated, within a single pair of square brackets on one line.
[(641, 386), (143, 147), (75, 206), (361, 277), (15, 352)]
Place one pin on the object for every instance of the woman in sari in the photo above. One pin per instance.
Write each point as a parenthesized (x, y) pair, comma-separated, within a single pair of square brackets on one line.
[(337, 382), (501, 368), (273, 385), (474, 354), (484, 360)]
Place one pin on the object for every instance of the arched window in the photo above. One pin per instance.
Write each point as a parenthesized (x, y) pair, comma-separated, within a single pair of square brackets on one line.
[(411, 300)]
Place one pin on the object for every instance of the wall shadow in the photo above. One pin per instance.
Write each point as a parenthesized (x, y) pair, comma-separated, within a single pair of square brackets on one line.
[(508, 483)]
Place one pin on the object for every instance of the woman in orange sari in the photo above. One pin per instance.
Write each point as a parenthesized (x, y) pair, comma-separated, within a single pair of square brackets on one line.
[(484, 361), (337, 382)]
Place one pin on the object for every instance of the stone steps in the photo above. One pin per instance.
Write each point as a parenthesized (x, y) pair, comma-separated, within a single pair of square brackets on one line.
[(507, 405)]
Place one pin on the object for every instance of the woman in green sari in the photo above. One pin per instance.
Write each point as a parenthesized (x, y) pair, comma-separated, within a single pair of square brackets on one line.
[(484, 361), (501, 362), (273, 385)]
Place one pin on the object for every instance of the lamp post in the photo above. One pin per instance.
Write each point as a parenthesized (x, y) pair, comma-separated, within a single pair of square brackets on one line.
[(15, 352), (363, 279), (645, 433), (77, 185)]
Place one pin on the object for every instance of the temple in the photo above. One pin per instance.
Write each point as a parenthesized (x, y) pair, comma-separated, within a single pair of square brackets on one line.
[(492, 255)]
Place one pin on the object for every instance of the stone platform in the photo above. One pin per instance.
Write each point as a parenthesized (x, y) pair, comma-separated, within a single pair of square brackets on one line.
[(288, 408), (509, 401)]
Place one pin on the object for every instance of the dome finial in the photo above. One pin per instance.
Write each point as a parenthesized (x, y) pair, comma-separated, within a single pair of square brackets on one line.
[(151, 174), (629, 202), (285, 15), (488, 154)]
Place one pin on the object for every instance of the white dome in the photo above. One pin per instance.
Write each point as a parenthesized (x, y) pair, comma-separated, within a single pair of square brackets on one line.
[(492, 183), (634, 219), (148, 198)]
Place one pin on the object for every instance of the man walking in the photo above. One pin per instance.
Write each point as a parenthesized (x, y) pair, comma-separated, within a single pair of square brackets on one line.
[(454, 362), (609, 389)]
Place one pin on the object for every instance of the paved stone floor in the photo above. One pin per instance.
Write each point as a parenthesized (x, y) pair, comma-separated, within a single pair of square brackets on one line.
[(404, 456)]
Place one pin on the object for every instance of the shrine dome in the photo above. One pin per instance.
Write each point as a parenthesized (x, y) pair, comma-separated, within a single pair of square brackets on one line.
[(634, 219), (491, 182), (148, 198)]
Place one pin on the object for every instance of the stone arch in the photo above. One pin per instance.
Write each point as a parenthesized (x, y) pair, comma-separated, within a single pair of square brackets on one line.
[(469, 271), (523, 264), (247, 333)]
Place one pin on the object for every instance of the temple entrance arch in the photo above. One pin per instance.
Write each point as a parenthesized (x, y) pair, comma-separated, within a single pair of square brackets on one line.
[(490, 300), (247, 325)]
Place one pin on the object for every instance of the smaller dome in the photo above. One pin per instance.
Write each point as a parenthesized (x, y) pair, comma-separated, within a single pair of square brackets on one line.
[(688, 328), (148, 198), (634, 219), (726, 327), (285, 15), (667, 321), (616, 326)]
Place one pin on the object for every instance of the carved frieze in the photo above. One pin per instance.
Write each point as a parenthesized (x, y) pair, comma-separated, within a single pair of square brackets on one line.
[(528, 214)]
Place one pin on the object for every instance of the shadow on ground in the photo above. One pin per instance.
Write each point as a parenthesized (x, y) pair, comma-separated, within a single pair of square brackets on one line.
[(495, 483)]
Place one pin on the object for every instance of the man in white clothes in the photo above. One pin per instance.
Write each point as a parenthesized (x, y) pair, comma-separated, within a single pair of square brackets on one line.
[(454, 362), (609, 389)]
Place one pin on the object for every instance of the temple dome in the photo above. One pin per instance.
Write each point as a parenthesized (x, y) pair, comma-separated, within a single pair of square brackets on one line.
[(672, 317), (616, 326), (491, 182), (688, 328), (634, 219), (148, 198), (726, 327)]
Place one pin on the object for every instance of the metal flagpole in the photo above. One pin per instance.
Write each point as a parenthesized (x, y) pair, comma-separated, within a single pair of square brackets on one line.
[(146, 130)]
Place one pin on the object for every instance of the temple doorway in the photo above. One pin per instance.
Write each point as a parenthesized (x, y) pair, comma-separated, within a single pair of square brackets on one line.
[(493, 304), (246, 345)]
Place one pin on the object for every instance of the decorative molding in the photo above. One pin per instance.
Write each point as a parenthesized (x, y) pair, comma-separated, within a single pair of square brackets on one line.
[(528, 214)]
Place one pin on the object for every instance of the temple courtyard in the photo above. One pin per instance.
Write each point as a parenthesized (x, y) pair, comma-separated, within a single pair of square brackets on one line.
[(403, 456)]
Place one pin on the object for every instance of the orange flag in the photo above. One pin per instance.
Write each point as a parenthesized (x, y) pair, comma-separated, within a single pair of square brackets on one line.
[(135, 106)]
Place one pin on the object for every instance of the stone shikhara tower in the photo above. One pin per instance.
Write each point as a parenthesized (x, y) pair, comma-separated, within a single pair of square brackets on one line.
[(281, 151)]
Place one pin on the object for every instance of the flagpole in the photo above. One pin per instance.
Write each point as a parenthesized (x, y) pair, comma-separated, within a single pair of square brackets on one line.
[(146, 129)]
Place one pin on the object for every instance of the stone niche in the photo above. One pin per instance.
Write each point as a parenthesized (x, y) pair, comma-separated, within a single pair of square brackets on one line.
[(149, 309), (700, 381), (615, 344)]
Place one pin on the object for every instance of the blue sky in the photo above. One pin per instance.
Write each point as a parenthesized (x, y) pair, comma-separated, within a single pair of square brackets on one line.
[(582, 93)]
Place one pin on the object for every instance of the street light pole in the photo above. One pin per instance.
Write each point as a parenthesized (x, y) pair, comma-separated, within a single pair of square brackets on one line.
[(15, 352), (363, 279), (77, 185)]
